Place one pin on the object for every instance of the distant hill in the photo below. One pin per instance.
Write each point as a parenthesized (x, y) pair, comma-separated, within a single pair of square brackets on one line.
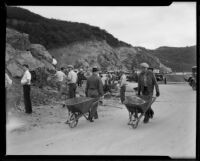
[(54, 33), (178, 58)]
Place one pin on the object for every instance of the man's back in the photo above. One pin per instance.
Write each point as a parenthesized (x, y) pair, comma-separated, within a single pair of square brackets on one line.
[(93, 82)]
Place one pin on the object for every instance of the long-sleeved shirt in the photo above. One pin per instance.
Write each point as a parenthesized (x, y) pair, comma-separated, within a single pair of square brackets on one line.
[(60, 76), (147, 79), (26, 79), (94, 86), (72, 77), (123, 80)]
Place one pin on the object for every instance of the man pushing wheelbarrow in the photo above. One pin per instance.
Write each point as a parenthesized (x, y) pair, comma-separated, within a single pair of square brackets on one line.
[(142, 103), (94, 89)]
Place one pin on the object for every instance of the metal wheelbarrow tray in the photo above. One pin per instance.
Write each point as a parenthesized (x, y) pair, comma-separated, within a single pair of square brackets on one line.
[(79, 107), (134, 108)]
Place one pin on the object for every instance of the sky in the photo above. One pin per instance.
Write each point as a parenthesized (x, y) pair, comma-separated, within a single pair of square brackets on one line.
[(146, 26)]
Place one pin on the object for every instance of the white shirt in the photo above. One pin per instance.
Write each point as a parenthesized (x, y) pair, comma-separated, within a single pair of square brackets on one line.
[(72, 77), (8, 80), (103, 79), (60, 76), (26, 79), (54, 61), (123, 80)]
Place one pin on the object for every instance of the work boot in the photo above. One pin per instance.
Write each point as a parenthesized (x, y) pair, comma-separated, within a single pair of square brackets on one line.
[(91, 120), (146, 119), (96, 116)]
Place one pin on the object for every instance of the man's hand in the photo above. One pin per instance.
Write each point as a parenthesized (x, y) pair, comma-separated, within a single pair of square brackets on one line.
[(157, 94)]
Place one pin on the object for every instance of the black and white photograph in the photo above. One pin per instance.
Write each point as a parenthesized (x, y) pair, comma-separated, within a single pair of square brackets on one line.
[(101, 80)]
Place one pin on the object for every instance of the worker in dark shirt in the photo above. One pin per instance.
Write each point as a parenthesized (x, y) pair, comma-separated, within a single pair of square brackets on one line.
[(94, 89)]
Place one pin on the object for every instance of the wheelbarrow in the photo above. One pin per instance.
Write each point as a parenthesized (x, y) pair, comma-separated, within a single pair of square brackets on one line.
[(137, 107), (79, 107)]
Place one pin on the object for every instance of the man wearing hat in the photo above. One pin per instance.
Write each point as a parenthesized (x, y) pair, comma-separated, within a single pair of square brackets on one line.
[(94, 89), (146, 84), (72, 79)]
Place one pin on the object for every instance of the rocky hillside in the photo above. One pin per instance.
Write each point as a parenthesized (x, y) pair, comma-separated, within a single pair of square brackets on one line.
[(19, 51), (100, 53)]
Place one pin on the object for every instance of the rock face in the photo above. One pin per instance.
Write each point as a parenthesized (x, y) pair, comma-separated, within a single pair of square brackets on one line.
[(17, 40), (106, 57), (40, 52), (20, 51)]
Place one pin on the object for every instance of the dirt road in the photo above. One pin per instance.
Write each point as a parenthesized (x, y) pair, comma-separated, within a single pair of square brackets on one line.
[(171, 132)]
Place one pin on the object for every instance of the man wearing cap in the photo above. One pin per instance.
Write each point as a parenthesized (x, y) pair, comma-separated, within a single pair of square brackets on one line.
[(122, 86), (26, 82), (72, 79), (94, 89), (60, 76), (146, 84)]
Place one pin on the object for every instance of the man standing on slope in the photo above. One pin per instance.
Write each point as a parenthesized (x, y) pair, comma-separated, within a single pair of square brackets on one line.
[(26, 82), (146, 84)]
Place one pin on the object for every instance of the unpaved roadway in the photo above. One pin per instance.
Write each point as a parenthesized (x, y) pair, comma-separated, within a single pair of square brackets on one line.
[(171, 132)]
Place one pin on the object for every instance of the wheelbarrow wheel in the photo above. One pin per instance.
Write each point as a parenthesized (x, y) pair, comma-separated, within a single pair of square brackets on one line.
[(73, 121), (135, 124)]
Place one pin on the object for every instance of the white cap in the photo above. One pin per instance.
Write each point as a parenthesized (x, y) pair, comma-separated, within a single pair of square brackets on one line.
[(144, 65)]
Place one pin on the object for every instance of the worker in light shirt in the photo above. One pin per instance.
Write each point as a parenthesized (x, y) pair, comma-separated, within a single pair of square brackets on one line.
[(122, 86), (26, 82), (60, 80), (72, 79)]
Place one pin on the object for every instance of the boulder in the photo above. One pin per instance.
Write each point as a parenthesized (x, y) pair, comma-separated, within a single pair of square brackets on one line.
[(25, 57), (10, 52), (40, 52), (17, 40), (15, 69)]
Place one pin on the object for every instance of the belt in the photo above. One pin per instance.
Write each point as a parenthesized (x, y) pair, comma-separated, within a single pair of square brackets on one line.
[(71, 83)]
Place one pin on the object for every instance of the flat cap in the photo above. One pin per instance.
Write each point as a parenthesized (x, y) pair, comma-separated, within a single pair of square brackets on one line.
[(144, 65), (70, 66)]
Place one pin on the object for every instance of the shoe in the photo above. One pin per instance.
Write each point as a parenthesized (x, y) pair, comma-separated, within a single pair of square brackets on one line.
[(91, 120), (146, 119), (96, 116)]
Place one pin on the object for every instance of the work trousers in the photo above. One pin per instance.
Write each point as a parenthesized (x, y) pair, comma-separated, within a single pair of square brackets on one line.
[(149, 113), (72, 90), (27, 99), (122, 93)]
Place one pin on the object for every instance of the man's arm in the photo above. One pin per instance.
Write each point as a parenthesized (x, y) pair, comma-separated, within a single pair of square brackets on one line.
[(155, 83), (139, 85), (86, 89), (100, 87)]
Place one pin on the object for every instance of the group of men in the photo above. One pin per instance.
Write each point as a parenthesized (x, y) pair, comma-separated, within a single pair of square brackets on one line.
[(94, 86)]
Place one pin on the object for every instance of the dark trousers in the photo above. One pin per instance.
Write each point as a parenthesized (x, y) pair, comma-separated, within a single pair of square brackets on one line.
[(27, 99), (80, 82), (72, 90), (149, 113), (122, 93), (93, 111)]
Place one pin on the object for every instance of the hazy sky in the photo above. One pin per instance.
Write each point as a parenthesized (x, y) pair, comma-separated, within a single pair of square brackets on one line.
[(148, 26)]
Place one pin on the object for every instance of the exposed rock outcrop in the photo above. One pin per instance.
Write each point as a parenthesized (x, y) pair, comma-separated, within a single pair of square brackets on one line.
[(20, 51)]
